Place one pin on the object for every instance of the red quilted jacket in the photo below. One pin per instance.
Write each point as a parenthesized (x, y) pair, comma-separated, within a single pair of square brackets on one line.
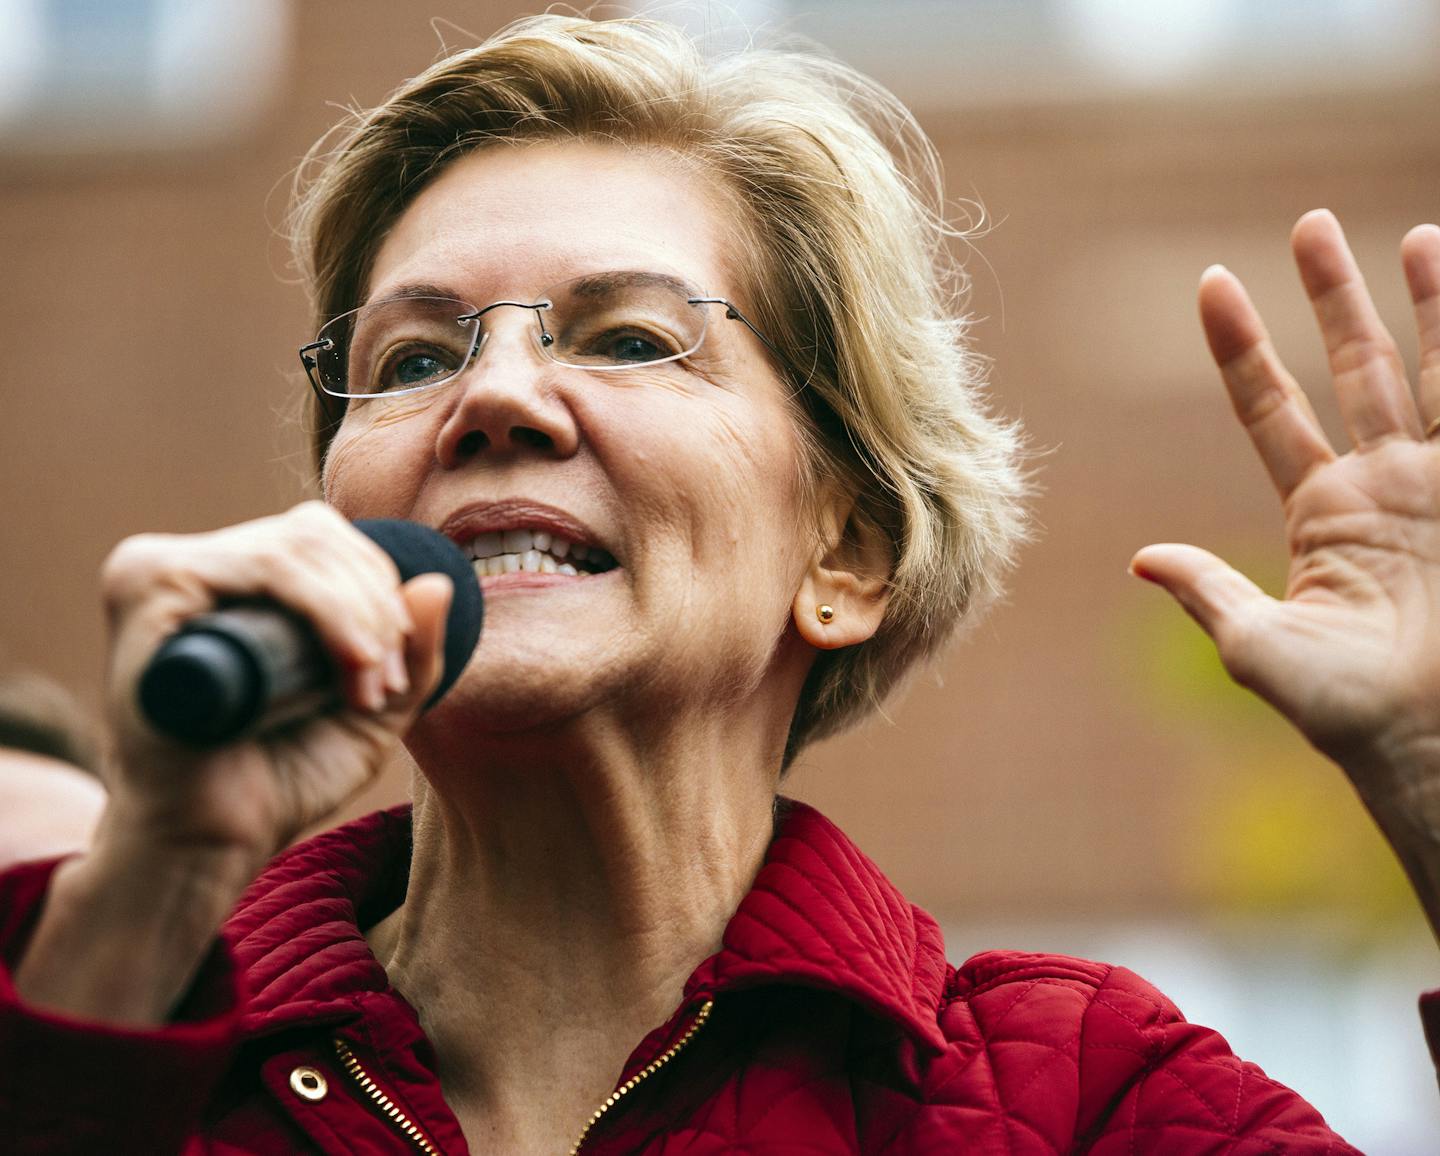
[(829, 1022)]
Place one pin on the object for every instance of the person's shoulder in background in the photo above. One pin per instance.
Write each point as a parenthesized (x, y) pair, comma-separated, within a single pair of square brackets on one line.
[(50, 797)]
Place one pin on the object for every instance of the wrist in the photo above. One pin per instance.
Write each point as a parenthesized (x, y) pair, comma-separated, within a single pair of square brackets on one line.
[(1399, 782), (126, 927)]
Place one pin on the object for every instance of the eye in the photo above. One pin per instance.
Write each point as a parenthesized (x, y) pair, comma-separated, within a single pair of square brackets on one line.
[(628, 346), (634, 347), (413, 366)]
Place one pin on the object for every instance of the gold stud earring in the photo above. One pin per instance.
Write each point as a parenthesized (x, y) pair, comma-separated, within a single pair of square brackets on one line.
[(825, 613)]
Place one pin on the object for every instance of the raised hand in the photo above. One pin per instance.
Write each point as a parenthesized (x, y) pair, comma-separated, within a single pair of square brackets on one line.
[(1351, 653)]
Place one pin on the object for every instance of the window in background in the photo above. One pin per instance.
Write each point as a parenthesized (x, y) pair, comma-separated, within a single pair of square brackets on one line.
[(114, 76), (1018, 51)]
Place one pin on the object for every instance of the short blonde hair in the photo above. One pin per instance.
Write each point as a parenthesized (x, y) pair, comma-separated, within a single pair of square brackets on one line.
[(849, 274)]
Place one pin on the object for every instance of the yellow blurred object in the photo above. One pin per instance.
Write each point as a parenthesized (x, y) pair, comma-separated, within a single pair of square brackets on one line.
[(1270, 827), (1284, 834)]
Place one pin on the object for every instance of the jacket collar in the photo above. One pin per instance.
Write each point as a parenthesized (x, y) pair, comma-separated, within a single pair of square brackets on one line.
[(820, 914), (296, 933)]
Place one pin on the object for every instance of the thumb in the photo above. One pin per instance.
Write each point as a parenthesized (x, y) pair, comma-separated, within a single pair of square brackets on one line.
[(1211, 591), (427, 596)]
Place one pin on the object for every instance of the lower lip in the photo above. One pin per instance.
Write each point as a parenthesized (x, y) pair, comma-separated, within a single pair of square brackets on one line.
[(536, 580)]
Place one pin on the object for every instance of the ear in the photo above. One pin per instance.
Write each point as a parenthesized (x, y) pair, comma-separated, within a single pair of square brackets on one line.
[(850, 576)]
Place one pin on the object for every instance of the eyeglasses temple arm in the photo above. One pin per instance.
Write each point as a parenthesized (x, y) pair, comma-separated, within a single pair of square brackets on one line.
[(734, 314), (310, 364)]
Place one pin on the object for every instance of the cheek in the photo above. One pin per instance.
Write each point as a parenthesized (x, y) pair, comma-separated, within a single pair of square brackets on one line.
[(366, 472), (745, 482), (759, 466)]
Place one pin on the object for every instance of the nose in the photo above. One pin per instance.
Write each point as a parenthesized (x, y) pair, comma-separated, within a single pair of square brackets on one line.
[(508, 400)]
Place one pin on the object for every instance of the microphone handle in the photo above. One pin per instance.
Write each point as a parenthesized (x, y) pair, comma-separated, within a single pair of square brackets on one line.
[(237, 670), (251, 666)]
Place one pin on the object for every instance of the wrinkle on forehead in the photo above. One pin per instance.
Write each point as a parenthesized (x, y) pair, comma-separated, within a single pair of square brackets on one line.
[(629, 207)]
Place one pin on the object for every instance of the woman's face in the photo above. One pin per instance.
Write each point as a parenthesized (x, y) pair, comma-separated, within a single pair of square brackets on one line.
[(687, 475)]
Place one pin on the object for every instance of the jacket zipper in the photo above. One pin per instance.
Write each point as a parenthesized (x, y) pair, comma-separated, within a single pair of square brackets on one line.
[(386, 1105), (412, 1131), (644, 1073)]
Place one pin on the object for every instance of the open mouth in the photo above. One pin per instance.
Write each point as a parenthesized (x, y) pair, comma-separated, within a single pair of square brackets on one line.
[(535, 552)]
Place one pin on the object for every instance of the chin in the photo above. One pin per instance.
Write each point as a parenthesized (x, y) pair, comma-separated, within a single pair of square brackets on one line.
[(510, 697)]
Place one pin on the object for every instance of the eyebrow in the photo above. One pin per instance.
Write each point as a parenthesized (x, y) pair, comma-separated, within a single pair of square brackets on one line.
[(422, 289), (595, 284), (586, 285)]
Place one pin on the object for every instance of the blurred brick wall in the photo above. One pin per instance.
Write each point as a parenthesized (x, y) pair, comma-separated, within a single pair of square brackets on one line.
[(149, 324)]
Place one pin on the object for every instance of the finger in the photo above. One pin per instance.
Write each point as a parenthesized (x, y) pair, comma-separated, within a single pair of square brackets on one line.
[(1370, 381), (347, 587), (1212, 592), (427, 598), (314, 564), (1420, 254), (364, 571), (1270, 405)]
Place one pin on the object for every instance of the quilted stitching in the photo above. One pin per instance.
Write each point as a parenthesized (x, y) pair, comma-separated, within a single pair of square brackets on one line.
[(295, 934), (838, 1027)]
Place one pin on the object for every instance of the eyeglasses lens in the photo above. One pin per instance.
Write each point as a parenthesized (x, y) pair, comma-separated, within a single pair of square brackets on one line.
[(394, 346), (603, 323), (618, 321)]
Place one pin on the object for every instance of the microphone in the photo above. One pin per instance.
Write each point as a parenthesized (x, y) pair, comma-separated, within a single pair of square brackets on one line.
[(252, 667)]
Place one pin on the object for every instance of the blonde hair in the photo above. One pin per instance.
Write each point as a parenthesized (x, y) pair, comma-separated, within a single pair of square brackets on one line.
[(850, 276)]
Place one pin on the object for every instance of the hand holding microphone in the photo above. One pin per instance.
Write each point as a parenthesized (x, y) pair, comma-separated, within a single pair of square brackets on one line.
[(340, 644), (252, 668), (285, 655)]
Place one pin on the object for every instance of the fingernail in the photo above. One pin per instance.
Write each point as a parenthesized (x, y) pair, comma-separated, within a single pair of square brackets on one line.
[(402, 613), (397, 678), (371, 685)]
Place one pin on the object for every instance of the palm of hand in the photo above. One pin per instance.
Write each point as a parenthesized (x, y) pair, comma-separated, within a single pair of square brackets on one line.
[(1351, 649), (1351, 654)]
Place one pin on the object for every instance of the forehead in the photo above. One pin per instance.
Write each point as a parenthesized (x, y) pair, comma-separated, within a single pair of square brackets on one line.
[(513, 219)]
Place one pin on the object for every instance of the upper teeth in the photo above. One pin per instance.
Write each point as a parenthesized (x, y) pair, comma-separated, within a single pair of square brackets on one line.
[(510, 551)]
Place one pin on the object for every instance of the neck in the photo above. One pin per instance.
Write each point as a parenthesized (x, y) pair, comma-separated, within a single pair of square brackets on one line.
[(535, 852)]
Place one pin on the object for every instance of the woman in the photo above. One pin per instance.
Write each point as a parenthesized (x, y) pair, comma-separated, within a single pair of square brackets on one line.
[(662, 342)]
